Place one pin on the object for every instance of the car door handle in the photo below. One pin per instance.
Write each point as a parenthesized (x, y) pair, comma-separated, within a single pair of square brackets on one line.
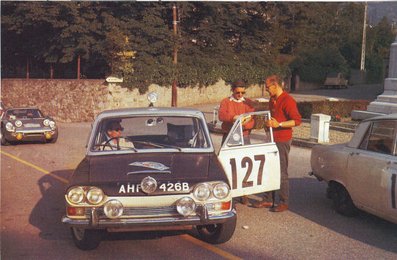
[(354, 153)]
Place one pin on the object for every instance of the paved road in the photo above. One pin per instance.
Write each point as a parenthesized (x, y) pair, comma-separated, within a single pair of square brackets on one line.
[(33, 177)]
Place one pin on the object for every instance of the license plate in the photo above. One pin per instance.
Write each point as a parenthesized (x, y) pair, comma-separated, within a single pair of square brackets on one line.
[(32, 125)]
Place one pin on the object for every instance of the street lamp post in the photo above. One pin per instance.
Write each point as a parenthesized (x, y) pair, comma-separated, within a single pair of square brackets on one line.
[(362, 65)]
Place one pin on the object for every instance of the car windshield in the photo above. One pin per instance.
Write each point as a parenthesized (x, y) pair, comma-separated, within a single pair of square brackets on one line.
[(150, 132), (23, 113)]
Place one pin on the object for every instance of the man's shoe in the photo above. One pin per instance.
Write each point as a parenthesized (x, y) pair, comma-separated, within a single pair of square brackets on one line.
[(245, 200), (262, 204), (280, 208)]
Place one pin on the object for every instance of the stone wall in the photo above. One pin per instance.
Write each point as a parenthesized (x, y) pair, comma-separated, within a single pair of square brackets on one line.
[(82, 100)]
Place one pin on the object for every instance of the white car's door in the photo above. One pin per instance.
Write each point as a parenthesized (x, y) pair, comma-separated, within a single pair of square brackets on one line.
[(253, 166), (372, 170)]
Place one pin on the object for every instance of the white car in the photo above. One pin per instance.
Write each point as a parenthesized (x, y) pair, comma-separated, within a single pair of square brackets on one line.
[(362, 174)]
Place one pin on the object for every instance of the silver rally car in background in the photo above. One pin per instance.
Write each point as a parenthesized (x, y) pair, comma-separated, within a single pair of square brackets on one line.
[(169, 179), (362, 173)]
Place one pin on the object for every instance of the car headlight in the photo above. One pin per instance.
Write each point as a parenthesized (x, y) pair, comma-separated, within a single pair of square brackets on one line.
[(18, 123), (76, 195), (202, 191), (52, 124), (95, 196), (221, 190), (46, 122), (185, 206), (113, 209), (10, 127)]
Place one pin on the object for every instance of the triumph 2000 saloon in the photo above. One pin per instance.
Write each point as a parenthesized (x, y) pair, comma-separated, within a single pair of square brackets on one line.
[(362, 174), (27, 124), (151, 169)]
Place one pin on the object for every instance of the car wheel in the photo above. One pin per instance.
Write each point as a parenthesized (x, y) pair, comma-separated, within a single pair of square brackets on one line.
[(4, 140), (343, 203), (53, 140), (86, 239), (217, 233)]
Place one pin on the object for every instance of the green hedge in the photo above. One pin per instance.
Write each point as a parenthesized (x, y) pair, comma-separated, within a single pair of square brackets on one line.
[(332, 108)]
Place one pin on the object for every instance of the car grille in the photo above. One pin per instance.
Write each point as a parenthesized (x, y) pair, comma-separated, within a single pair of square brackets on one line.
[(141, 211)]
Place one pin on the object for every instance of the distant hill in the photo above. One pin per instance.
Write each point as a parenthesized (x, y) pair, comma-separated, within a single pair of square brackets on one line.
[(377, 10)]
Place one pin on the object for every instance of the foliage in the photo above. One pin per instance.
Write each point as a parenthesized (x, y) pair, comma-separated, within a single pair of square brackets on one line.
[(380, 39), (313, 65), (332, 108), (215, 40)]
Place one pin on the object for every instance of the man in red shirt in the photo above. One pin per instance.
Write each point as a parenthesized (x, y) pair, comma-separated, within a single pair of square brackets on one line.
[(232, 107), (285, 115)]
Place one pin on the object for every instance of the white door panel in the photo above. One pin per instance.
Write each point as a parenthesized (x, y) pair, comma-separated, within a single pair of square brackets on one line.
[(252, 167)]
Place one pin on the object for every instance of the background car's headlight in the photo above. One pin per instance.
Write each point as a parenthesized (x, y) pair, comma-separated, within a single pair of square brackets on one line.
[(18, 123), (76, 195), (185, 206), (95, 196), (52, 124), (113, 209), (221, 190), (10, 127), (202, 191), (46, 122)]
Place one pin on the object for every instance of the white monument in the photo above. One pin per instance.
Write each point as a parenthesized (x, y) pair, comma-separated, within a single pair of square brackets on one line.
[(386, 103)]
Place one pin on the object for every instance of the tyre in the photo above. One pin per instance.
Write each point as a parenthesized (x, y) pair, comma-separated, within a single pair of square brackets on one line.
[(217, 233), (4, 140), (342, 201), (53, 140), (86, 239)]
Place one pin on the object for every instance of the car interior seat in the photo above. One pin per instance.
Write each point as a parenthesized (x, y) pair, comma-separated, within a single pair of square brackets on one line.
[(179, 135)]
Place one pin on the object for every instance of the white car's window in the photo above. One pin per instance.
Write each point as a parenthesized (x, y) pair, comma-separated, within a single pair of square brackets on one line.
[(258, 134), (380, 137), (155, 132)]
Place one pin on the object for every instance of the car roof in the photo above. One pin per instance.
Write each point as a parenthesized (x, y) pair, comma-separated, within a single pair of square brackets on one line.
[(382, 117), (17, 108), (150, 111)]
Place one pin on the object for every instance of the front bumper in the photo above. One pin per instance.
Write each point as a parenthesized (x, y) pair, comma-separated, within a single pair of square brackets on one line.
[(151, 223), (33, 134)]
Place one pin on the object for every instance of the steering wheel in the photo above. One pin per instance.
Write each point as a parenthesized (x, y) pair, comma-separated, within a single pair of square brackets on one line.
[(107, 143)]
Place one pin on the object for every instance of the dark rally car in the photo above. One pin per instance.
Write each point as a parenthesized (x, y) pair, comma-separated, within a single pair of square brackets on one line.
[(27, 124), (162, 173)]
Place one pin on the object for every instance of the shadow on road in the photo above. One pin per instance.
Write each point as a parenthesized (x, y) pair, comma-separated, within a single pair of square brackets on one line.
[(307, 198), (47, 213)]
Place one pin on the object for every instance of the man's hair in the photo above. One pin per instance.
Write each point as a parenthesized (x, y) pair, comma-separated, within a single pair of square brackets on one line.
[(238, 84), (273, 79), (112, 125)]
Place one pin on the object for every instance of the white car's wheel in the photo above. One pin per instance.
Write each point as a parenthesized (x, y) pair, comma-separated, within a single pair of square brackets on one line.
[(343, 203)]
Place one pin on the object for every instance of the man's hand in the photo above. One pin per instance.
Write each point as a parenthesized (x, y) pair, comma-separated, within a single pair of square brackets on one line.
[(245, 119), (272, 123)]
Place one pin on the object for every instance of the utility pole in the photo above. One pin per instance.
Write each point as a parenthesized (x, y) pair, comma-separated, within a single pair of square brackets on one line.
[(362, 65), (175, 60), (78, 67), (27, 68)]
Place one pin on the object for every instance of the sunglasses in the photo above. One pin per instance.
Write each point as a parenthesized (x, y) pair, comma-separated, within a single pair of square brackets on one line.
[(240, 92)]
